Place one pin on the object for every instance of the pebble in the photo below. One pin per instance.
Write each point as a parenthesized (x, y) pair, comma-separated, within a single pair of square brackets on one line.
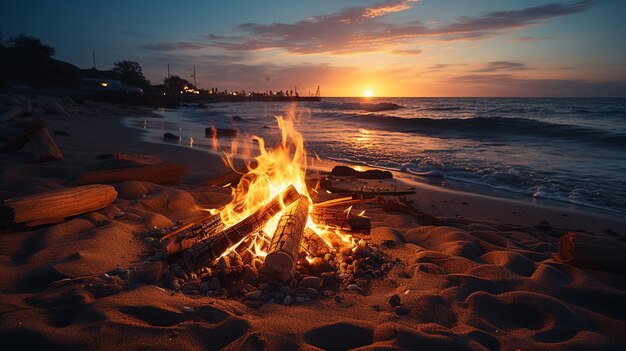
[(394, 300), (287, 300), (254, 295), (312, 293), (250, 274), (187, 309), (401, 311), (300, 299), (175, 284), (356, 288), (311, 282)]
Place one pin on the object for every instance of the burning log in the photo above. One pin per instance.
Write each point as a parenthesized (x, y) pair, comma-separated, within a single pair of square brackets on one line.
[(56, 205), (340, 219), (405, 207), (591, 252), (183, 238), (313, 244), (209, 249), (285, 245), (159, 174)]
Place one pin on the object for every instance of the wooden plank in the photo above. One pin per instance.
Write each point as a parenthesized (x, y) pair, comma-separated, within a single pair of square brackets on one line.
[(54, 206), (159, 174)]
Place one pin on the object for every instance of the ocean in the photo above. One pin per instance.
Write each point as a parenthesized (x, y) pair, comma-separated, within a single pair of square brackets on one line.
[(565, 151)]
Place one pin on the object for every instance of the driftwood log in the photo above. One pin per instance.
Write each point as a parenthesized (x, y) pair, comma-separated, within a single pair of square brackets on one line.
[(284, 247), (212, 248), (183, 238), (159, 174), (587, 251), (54, 206), (44, 148), (18, 141), (343, 220)]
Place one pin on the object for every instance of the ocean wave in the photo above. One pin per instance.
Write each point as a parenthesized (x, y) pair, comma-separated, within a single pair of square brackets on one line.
[(492, 127), (360, 106)]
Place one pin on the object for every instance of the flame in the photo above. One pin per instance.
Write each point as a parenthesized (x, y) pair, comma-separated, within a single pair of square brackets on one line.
[(268, 174)]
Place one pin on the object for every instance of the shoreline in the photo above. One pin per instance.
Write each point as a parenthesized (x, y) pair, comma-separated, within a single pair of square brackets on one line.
[(504, 209)]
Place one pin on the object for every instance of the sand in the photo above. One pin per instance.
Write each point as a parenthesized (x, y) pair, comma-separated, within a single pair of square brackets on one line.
[(484, 281)]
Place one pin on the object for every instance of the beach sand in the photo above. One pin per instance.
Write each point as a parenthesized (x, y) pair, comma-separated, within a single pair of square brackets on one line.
[(484, 281)]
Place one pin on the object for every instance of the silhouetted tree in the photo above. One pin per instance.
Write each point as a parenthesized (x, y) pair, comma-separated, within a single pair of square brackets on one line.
[(130, 73), (31, 45), (176, 83)]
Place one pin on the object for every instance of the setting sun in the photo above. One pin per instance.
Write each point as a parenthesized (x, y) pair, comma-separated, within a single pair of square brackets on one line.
[(368, 93)]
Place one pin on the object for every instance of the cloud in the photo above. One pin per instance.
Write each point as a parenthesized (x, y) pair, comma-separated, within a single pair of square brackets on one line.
[(502, 66), (135, 34), (510, 85), (387, 7), (181, 45), (406, 52), (531, 39), (363, 29)]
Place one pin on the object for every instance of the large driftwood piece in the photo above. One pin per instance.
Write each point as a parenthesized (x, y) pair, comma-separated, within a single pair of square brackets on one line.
[(401, 205), (343, 220), (17, 142), (44, 148), (209, 249), (56, 205), (589, 251), (159, 174), (183, 238), (284, 247)]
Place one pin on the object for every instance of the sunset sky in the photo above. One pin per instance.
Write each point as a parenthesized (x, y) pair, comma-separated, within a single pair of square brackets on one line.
[(392, 48)]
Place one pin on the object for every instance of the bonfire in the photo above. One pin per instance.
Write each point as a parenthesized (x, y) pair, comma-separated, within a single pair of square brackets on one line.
[(272, 230)]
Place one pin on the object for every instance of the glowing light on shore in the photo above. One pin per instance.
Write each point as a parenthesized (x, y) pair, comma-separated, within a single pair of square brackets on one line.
[(368, 93)]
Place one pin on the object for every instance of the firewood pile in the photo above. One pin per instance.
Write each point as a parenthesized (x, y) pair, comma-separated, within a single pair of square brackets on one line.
[(294, 265)]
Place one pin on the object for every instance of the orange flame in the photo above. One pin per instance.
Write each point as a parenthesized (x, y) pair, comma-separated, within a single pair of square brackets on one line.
[(270, 173)]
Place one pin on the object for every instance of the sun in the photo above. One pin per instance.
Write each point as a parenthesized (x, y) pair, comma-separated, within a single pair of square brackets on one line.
[(368, 93)]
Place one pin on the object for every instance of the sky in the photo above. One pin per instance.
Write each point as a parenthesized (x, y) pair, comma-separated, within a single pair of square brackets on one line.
[(391, 48)]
